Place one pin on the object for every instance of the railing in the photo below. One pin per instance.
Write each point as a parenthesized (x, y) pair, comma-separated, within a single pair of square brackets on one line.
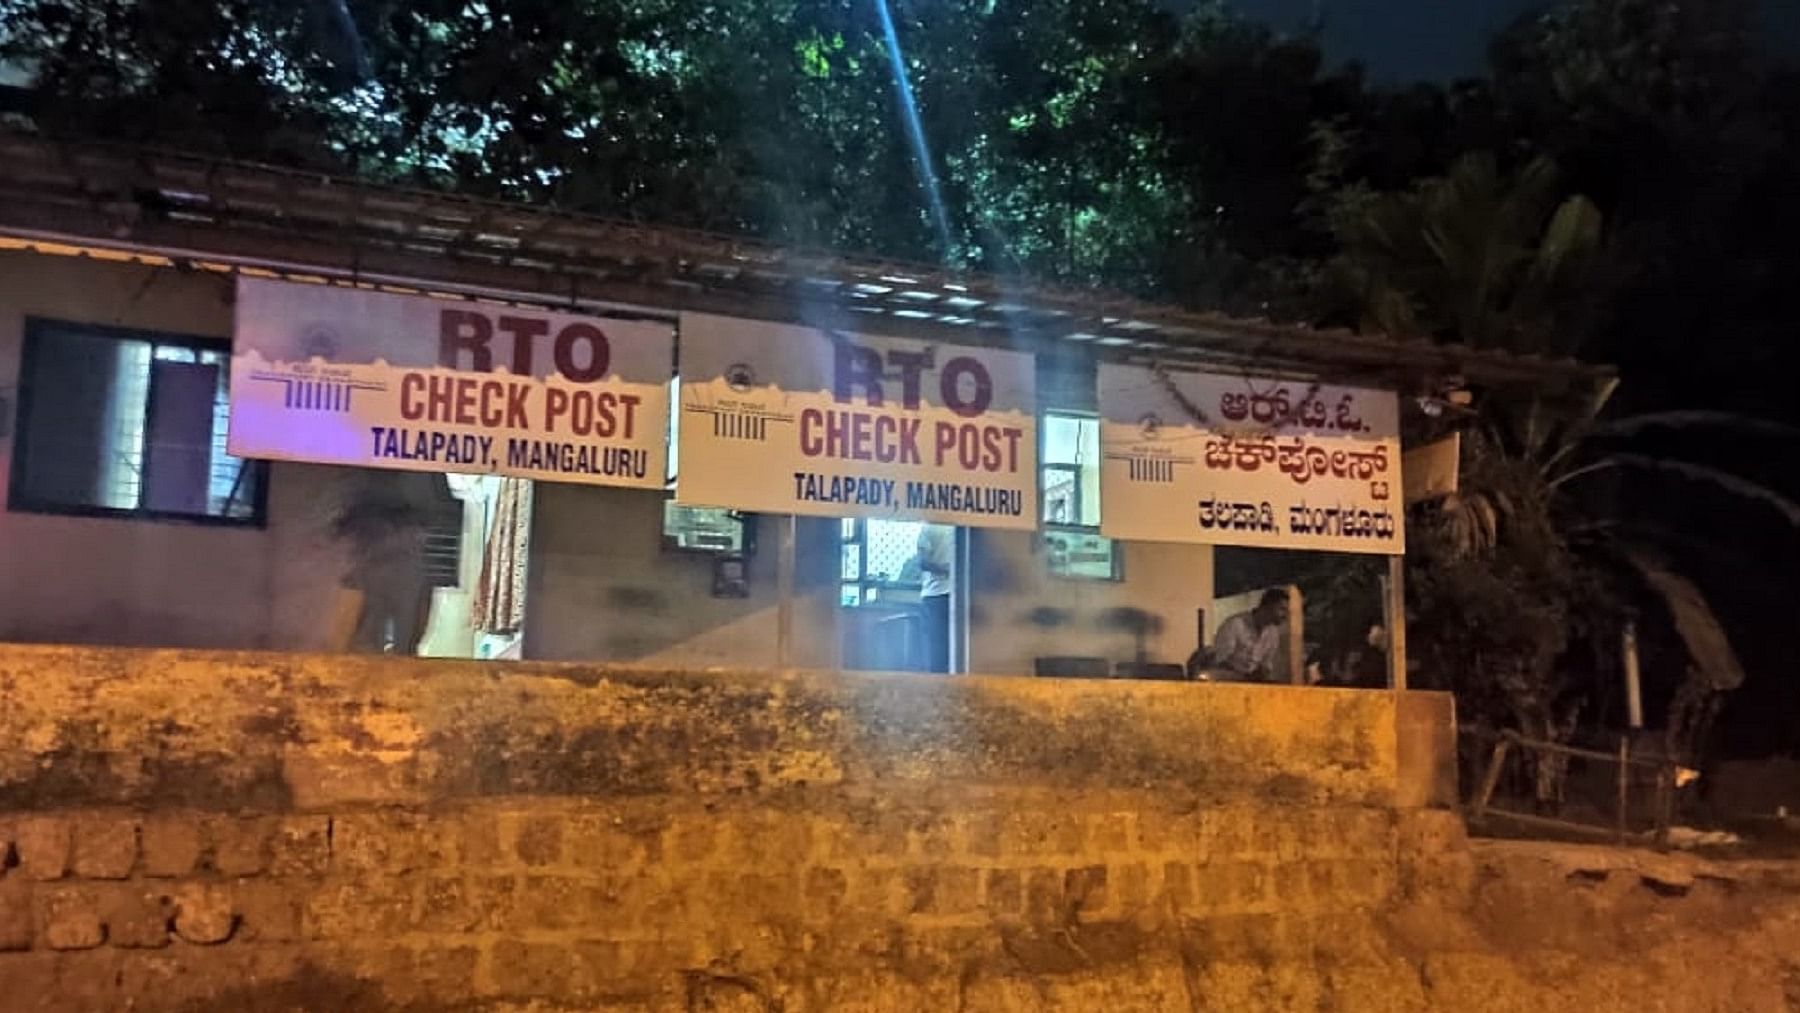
[(1663, 774)]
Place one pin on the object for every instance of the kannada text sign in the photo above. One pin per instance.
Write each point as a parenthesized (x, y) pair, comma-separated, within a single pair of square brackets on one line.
[(1236, 460)]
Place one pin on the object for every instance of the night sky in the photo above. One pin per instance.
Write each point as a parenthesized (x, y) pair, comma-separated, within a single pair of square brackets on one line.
[(1404, 40)]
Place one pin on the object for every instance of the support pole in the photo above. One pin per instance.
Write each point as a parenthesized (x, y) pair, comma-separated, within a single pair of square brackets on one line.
[(784, 609), (960, 595), (1296, 637), (1396, 622), (1634, 693), (1624, 787)]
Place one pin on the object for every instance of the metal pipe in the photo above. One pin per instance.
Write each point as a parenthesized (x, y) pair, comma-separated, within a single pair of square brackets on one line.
[(1556, 747), (784, 609), (1624, 784), (1551, 821), (1491, 780), (1634, 692)]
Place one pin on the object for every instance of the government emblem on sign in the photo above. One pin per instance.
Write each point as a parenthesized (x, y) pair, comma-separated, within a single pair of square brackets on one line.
[(740, 377), (1150, 426)]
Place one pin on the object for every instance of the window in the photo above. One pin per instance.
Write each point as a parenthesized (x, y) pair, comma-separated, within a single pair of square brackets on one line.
[(878, 558), (703, 529), (128, 423), (1071, 470), (443, 553), (1073, 546)]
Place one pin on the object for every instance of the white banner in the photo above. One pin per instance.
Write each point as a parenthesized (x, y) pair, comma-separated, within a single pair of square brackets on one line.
[(351, 376), (787, 419), (1236, 460)]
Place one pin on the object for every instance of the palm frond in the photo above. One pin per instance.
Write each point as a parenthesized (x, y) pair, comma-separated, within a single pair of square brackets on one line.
[(1701, 633), (1694, 419), (1572, 235), (1662, 537), (1473, 521), (1724, 480), (1535, 186), (1581, 424)]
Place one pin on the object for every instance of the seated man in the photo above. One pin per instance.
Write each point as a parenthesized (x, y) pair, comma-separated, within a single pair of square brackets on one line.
[(1247, 644)]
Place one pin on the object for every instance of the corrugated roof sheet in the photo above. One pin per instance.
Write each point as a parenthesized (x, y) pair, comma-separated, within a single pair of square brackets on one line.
[(185, 206)]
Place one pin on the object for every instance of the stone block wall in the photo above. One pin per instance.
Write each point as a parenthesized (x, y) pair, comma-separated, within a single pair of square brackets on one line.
[(206, 832), (878, 904), (237, 833)]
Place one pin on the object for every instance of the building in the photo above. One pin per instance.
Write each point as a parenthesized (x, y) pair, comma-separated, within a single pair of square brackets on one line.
[(127, 523)]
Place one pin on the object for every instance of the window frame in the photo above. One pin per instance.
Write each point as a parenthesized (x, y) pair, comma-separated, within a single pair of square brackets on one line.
[(862, 583), (1046, 527), (19, 499), (746, 522), (1046, 469)]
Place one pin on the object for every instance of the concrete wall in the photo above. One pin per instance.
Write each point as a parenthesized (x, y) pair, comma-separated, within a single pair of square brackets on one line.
[(603, 589), (602, 586), (110, 581), (229, 832), (1020, 612)]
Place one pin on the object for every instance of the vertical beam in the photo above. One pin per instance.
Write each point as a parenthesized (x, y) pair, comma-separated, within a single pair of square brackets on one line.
[(784, 609), (1624, 786), (1296, 636), (1395, 585), (961, 591), (1490, 780), (1634, 693)]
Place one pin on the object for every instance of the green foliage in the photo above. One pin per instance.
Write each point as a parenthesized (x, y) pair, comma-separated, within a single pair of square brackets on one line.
[(1585, 70), (1524, 577), (1521, 581), (1077, 141), (1498, 595), (1475, 257), (1679, 128), (226, 76)]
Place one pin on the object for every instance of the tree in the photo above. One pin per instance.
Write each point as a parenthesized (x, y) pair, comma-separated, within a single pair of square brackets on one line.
[(240, 77), (1475, 257), (1520, 581), (1684, 127), (1668, 116), (1094, 143)]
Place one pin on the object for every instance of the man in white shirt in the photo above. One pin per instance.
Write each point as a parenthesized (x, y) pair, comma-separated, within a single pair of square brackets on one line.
[(1247, 643), (937, 567)]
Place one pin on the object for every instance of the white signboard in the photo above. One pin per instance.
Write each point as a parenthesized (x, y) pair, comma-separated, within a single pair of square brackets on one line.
[(786, 419), (1432, 471), (351, 376), (1236, 460)]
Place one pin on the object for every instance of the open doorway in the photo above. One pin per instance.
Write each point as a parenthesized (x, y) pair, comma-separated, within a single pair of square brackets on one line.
[(898, 592), (436, 564), (482, 614)]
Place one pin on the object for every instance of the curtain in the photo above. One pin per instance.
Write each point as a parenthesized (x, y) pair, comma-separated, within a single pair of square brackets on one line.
[(500, 594)]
